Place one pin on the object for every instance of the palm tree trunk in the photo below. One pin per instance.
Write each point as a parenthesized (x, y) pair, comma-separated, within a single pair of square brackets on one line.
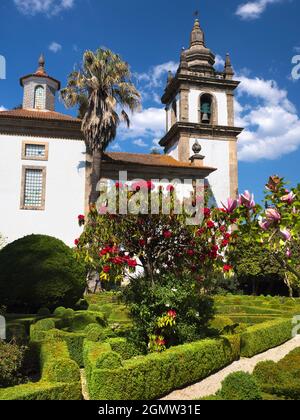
[(95, 175)]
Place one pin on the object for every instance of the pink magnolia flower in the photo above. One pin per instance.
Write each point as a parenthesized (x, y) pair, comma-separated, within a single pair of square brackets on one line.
[(230, 206), (289, 198), (286, 234), (273, 215), (288, 253), (264, 224), (247, 200)]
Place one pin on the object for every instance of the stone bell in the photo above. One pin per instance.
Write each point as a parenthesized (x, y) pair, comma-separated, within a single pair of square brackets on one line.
[(205, 112)]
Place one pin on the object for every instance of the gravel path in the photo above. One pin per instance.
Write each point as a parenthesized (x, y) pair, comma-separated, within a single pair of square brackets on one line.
[(84, 386), (212, 384)]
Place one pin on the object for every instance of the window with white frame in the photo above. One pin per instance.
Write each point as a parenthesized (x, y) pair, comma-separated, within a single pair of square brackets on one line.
[(33, 188), (39, 97)]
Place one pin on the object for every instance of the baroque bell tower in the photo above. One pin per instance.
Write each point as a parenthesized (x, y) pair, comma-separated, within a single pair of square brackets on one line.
[(200, 115)]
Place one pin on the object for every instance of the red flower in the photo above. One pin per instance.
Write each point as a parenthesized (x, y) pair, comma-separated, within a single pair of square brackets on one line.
[(132, 263), (119, 185), (227, 268), (227, 236), (207, 212), (200, 232), (117, 260), (167, 234), (150, 185), (76, 242), (225, 243), (190, 252), (161, 342), (81, 219), (210, 224), (172, 313), (142, 242), (170, 188), (105, 251), (223, 229), (106, 269)]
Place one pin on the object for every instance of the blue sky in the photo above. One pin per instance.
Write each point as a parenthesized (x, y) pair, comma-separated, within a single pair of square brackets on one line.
[(262, 37)]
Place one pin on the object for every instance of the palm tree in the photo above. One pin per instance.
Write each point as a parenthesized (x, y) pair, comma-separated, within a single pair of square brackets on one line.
[(103, 91)]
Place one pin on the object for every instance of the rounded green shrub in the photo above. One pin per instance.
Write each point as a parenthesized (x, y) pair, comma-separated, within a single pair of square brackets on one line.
[(109, 360), (39, 271), (68, 313), (59, 311), (268, 373), (240, 386), (44, 312), (82, 305), (95, 333), (44, 325), (62, 370)]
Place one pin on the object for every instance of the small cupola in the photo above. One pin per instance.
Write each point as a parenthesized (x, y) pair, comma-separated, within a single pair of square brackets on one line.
[(39, 89)]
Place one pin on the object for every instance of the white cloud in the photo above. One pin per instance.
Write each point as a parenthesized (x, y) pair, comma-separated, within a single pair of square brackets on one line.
[(149, 122), (116, 147), (254, 9), (272, 126), (2, 108), (220, 62), (140, 143), (55, 47), (47, 7), (153, 78)]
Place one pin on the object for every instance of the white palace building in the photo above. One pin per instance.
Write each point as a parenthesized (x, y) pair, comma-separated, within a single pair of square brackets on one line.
[(44, 168)]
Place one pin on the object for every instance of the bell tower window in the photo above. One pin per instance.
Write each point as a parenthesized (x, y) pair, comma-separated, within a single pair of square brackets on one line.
[(206, 109), (39, 97)]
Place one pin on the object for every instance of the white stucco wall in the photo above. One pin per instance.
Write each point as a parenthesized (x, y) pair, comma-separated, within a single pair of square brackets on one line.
[(65, 189), (173, 151), (194, 105), (216, 154)]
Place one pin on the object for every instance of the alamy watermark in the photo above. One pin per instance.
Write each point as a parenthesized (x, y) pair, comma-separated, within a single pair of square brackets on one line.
[(2, 67), (152, 197), (2, 328), (296, 68)]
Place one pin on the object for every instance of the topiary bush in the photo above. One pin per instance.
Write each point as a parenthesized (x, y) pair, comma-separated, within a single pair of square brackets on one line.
[(240, 386), (95, 333), (39, 271), (109, 360)]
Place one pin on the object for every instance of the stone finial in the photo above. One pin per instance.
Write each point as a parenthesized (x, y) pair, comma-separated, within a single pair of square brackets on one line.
[(41, 68), (197, 35), (197, 159), (228, 69)]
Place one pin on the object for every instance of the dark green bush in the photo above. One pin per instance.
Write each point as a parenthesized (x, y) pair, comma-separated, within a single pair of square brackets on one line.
[(16, 332), (11, 359), (240, 386), (39, 271), (147, 302), (220, 324), (44, 312)]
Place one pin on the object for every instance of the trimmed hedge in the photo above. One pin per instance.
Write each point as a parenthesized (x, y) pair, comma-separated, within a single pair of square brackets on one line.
[(149, 377), (42, 391), (240, 386), (123, 347), (56, 364), (262, 337)]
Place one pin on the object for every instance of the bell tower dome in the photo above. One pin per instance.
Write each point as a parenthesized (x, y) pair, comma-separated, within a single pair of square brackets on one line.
[(39, 89), (199, 103)]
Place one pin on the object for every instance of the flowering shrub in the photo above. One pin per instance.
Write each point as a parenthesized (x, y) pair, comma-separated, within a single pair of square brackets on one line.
[(118, 244), (276, 228)]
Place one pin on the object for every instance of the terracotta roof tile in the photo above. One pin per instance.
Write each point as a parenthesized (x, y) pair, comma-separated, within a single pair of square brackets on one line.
[(148, 160), (37, 115)]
